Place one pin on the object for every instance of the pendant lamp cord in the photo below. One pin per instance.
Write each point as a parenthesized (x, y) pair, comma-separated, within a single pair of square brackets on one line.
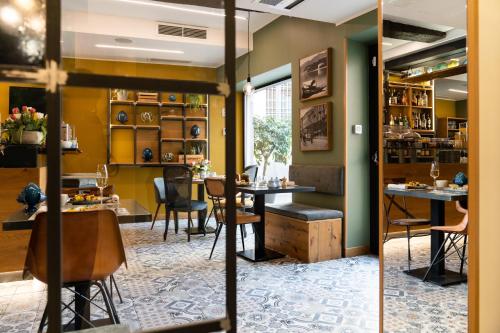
[(248, 43)]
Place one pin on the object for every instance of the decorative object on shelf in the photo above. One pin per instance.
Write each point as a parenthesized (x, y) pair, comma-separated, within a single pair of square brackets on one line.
[(31, 196), (121, 94), (147, 117), (314, 74), (25, 126), (167, 157), (147, 97), (460, 179), (196, 148), (122, 117), (315, 128), (172, 98), (147, 154), (195, 131), (194, 101), (202, 168)]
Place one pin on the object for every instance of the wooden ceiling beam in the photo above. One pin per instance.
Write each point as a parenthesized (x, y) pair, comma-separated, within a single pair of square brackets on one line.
[(411, 32)]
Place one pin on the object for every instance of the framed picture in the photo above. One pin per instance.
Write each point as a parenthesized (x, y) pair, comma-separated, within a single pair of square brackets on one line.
[(315, 128), (314, 72)]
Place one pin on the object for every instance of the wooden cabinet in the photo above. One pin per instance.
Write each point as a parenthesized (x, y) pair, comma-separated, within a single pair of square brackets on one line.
[(157, 128), (449, 126)]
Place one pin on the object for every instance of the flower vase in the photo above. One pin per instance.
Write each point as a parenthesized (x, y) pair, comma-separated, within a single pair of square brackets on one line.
[(203, 174), (32, 137)]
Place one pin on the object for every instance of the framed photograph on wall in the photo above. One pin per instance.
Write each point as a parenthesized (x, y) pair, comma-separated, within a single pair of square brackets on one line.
[(316, 127), (314, 75)]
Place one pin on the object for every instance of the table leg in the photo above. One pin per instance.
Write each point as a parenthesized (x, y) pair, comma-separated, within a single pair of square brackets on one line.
[(438, 274), (82, 306), (260, 253)]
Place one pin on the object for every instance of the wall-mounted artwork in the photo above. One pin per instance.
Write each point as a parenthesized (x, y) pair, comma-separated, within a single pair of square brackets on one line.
[(315, 128), (314, 74)]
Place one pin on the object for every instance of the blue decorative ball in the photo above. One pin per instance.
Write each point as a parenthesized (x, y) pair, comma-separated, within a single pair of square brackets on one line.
[(31, 195), (122, 117), (172, 98), (460, 179), (147, 154)]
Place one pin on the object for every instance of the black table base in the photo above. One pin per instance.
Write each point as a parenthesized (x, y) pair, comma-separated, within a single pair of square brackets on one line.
[(447, 279), (251, 255)]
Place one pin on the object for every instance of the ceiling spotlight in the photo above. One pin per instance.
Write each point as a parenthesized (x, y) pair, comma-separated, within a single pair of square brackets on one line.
[(10, 16), (459, 91), (122, 40), (145, 49)]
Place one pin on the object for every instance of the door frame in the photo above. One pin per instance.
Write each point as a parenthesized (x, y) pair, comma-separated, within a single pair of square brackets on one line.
[(53, 77)]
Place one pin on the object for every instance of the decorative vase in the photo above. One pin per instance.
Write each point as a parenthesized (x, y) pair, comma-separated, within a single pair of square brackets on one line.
[(121, 94), (31, 195), (460, 179), (172, 98), (203, 174), (195, 131), (32, 137), (147, 154), (122, 117)]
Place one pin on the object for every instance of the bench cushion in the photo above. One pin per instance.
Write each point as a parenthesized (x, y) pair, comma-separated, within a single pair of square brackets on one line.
[(327, 179), (304, 212)]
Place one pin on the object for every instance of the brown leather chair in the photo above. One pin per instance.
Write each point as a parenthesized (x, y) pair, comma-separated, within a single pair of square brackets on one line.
[(92, 251), (216, 191)]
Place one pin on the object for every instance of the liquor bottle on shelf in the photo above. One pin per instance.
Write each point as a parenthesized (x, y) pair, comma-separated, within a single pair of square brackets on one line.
[(404, 100), (414, 100), (405, 122), (391, 121), (429, 123), (400, 120), (425, 100), (423, 121)]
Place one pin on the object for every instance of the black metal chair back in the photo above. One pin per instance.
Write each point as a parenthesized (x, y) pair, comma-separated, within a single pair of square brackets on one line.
[(178, 181), (251, 171)]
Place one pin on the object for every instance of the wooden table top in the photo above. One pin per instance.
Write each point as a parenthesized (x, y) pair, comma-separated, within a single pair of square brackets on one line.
[(129, 211)]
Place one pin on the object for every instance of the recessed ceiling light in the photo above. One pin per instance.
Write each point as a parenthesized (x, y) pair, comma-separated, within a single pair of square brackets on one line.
[(10, 15), (145, 49), (386, 44), (183, 9), (121, 40), (458, 91)]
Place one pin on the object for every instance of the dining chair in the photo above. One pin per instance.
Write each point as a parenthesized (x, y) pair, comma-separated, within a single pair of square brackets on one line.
[(178, 183), (159, 190), (456, 233), (408, 222), (93, 250), (216, 190)]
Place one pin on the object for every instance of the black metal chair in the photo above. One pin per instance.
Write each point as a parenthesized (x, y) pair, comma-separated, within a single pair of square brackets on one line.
[(407, 222), (178, 183), (159, 189)]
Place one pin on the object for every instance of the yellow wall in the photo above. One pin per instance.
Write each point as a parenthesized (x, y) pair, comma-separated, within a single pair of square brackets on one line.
[(489, 165), (445, 108), (87, 109)]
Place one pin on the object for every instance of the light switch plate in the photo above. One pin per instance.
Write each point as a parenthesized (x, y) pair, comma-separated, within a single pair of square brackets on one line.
[(357, 129)]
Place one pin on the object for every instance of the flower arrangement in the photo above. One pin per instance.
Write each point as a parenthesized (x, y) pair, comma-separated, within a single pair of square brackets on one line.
[(22, 121), (202, 166)]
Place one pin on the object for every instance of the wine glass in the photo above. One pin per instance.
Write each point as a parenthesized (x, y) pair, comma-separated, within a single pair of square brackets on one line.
[(102, 179), (435, 171)]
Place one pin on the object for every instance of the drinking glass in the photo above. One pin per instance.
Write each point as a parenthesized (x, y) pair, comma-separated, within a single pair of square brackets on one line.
[(102, 179), (435, 172)]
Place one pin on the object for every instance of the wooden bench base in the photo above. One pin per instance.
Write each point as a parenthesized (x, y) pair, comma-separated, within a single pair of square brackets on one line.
[(308, 241)]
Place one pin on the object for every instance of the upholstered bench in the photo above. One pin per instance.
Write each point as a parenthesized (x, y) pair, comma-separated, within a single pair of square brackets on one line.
[(304, 232)]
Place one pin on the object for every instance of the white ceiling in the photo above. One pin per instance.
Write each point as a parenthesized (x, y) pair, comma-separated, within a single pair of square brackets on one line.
[(458, 82), (89, 22)]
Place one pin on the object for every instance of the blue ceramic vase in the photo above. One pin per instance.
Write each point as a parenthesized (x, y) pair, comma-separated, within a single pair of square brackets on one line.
[(31, 196), (195, 131), (122, 117), (460, 179), (147, 154)]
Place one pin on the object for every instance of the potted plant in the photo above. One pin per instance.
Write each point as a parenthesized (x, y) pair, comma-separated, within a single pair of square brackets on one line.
[(25, 126), (194, 101), (202, 168)]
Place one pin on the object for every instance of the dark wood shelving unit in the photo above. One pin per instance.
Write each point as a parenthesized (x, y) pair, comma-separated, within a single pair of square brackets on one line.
[(164, 126)]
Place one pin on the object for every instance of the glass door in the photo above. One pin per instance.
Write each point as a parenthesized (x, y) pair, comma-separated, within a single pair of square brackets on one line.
[(120, 106)]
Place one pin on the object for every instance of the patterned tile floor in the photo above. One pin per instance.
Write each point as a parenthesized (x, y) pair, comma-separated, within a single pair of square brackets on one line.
[(412, 306), (173, 282)]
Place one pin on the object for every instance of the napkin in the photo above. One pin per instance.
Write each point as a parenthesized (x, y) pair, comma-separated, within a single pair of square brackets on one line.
[(397, 186)]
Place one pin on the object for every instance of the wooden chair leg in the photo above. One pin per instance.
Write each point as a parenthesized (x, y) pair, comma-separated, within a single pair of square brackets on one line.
[(242, 236), (156, 214), (167, 222), (217, 232)]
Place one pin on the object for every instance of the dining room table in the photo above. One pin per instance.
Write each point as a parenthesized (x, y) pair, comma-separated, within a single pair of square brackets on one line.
[(260, 252), (127, 211), (437, 198)]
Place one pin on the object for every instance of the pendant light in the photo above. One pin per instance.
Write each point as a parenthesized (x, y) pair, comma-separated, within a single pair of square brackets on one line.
[(248, 88)]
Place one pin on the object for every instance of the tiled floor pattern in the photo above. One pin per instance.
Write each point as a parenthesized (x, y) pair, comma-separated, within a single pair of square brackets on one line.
[(411, 306), (173, 282)]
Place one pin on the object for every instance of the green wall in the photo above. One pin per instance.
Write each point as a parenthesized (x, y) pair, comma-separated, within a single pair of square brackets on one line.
[(461, 108), (285, 41), (358, 153)]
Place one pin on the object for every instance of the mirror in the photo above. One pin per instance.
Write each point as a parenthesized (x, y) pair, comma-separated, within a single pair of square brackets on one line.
[(425, 166)]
